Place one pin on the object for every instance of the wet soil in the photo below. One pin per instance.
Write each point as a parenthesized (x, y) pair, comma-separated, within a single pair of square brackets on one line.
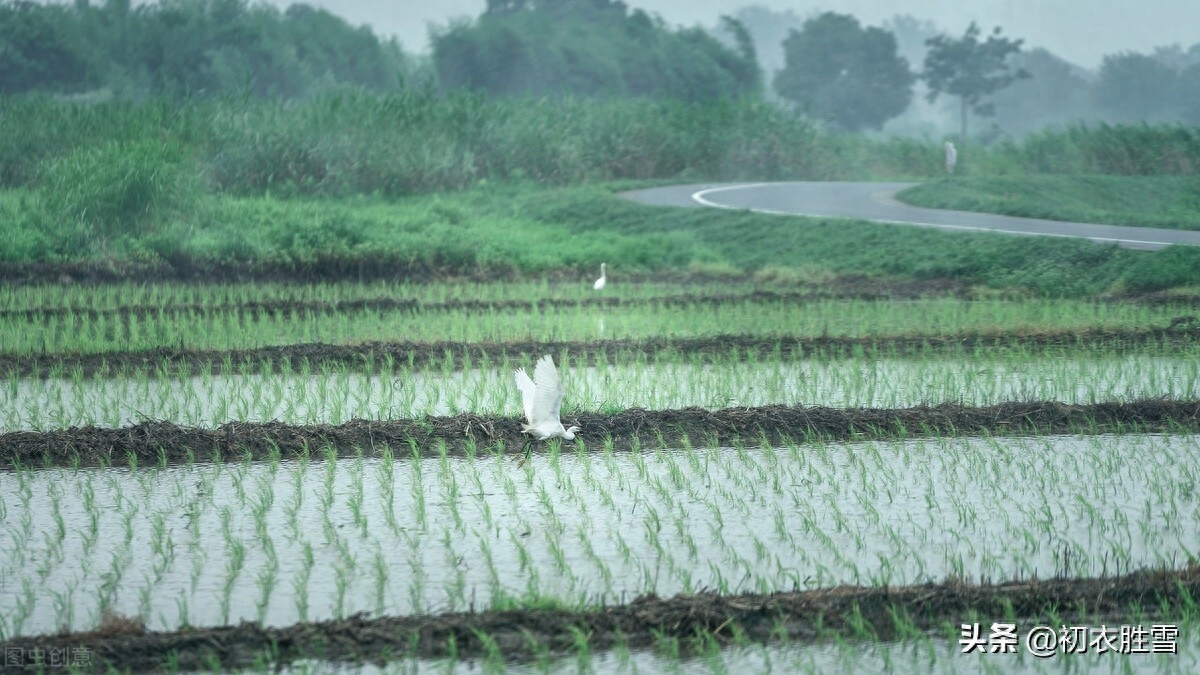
[(373, 356), (692, 620), (164, 443)]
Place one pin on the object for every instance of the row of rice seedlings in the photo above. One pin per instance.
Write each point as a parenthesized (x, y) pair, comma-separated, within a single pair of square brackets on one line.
[(303, 395), (320, 537), (168, 294), (81, 333)]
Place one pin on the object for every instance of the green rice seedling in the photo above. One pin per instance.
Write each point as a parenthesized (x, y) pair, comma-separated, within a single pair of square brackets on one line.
[(341, 580), (493, 658), (265, 581), (381, 576), (63, 607), (300, 581), (580, 640), (664, 644)]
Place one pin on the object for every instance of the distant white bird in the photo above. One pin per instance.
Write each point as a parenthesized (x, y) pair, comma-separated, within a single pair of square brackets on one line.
[(599, 285), (951, 159), (542, 398)]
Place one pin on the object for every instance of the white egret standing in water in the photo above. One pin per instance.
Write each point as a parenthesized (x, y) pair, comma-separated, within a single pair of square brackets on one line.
[(951, 160), (599, 285), (542, 398)]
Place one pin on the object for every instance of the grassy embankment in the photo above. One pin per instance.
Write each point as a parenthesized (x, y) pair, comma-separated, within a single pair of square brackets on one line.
[(1145, 201), (409, 186), (527, 230)]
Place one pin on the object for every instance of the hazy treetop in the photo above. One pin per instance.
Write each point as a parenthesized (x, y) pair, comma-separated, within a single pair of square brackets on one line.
[(1112, 25)]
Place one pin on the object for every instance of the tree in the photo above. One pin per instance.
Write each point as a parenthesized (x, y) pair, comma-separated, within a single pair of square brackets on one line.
[(37, 50), (1189, 90), (845, 74), (970, 69), (1057, 93), (1135, 87), (187, 47), (590, 48)]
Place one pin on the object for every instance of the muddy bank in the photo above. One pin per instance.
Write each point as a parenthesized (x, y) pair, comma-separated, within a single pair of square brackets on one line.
[(692, 620), (374, 356), (166, 443)]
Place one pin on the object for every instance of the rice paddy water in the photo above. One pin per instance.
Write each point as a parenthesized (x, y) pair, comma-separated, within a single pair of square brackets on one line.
[(403, 531)]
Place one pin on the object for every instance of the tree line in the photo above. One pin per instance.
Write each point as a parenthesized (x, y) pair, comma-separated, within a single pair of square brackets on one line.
[(188, 48), (198, 48), (850, 76), (856, 78), (594, 48)]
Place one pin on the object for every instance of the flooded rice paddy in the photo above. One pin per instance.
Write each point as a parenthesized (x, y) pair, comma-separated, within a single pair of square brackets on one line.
[(338, 396), (299, 540)]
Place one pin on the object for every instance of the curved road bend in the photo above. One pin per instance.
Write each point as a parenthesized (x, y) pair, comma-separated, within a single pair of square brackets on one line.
[(877, 202)]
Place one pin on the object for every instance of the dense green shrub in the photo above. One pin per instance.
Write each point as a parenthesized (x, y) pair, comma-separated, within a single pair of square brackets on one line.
[(112, 190), (421, 141), (1174, 266)]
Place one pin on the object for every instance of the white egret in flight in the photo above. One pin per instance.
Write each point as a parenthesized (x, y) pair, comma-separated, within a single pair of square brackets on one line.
[(599, 285), (542, 398), (951, 159)]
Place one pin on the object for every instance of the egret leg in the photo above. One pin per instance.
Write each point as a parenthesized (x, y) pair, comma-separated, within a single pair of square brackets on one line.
[(526, 453)]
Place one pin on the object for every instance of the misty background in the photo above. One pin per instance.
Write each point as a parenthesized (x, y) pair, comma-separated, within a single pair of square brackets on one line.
[(1079, 31), (1064, 62)]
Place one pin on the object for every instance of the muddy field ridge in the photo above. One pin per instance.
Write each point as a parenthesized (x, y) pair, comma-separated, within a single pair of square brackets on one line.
[(160, 443), (693, 622)]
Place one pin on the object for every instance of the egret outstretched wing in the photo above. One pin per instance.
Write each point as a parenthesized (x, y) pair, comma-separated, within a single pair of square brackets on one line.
[(549, 396), (528, 393)]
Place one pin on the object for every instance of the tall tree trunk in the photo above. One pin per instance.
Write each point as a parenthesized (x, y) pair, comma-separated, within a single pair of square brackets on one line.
[(963, 127)]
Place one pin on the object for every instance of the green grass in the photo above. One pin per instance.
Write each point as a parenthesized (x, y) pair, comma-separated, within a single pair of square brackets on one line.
[(751, 242), (338, 181), (1150, 201), (411, 142), (531, 230)]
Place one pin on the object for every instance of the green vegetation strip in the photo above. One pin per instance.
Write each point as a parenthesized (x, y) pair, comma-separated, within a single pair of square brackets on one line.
[(681, 624), (1151, 201), (292, 309), (560, 285), (285, 309), (164, 443), (106, 334), (501, 231), (385, 356)]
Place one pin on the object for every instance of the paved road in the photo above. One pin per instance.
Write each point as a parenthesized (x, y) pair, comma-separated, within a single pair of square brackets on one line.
[(877, 202)]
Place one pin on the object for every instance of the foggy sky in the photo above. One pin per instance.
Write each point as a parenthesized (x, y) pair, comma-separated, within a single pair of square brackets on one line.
[(1080, 31)]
